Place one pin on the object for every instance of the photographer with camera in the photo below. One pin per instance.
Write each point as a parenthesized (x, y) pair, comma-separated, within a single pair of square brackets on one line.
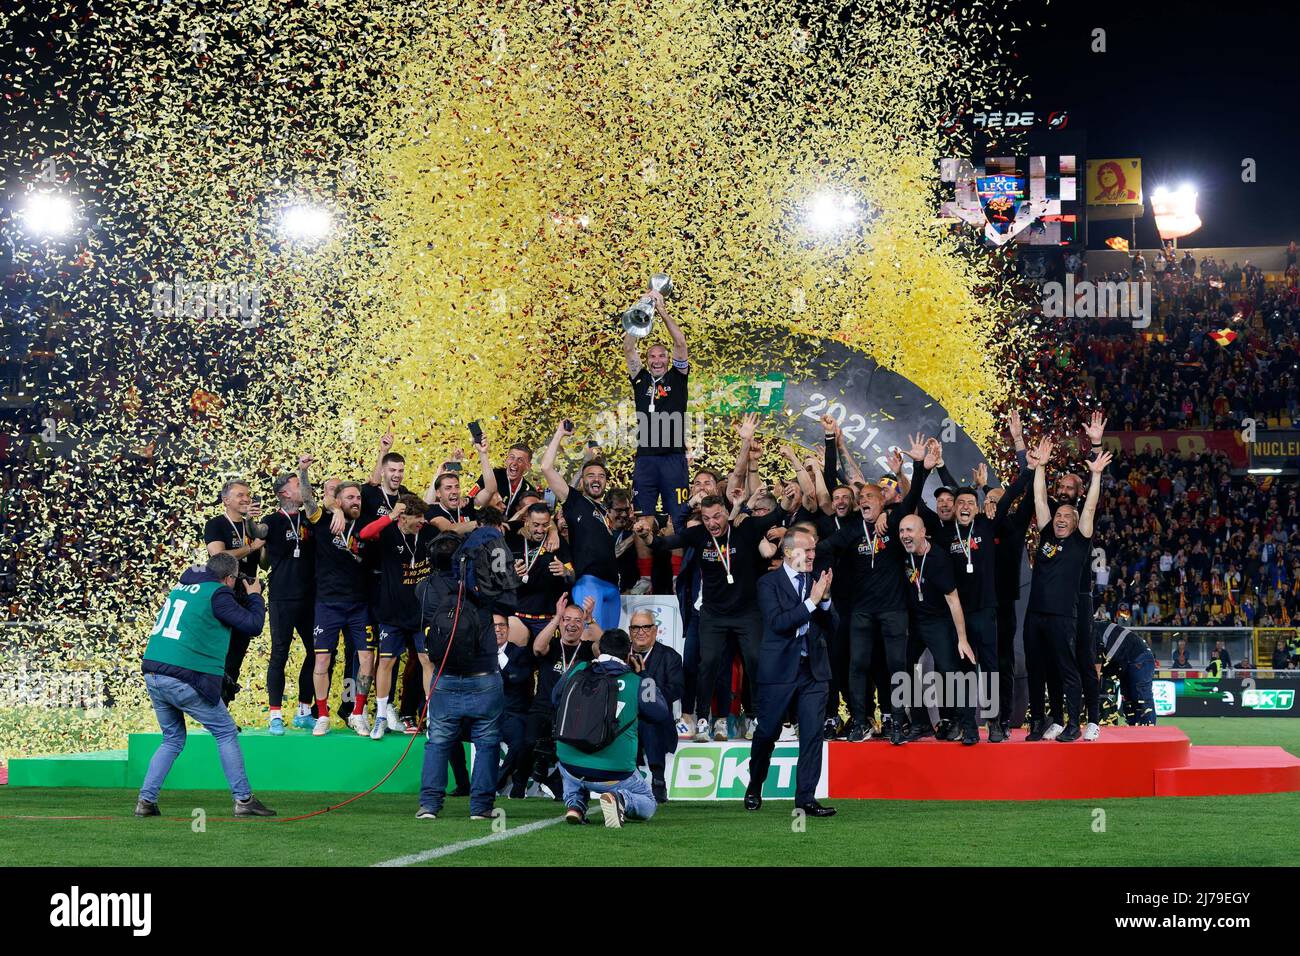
[(183, 667), (231, 532)]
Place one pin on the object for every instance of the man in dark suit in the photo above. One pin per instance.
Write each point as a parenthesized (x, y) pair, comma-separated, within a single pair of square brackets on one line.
[(661, 665), (794, 669)]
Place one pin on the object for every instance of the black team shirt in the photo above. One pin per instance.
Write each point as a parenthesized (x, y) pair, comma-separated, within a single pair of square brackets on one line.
[(404, 563), (376, 502), (590, 538), (340, 574), (233, 535), (537, 595), (292, 578), (665, 429), (739, 543), (870, 563), (551, 667), (509, 498), (975, 548), (928, 579), (1055, 585)]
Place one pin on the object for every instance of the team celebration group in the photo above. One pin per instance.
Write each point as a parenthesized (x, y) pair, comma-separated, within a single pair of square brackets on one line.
[(488, 610)]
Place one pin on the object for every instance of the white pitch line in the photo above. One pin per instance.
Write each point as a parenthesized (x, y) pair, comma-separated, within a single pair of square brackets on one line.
[(451, 848)]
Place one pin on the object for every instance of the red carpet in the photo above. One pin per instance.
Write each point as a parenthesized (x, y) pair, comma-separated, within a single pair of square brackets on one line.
[(1125, 762)]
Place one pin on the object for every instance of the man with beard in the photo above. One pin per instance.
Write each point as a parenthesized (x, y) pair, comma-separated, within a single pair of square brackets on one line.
[(1064, 545), (835, 516), (1009, 548), (401, 538), (447, 510), (938, 622), (384, 486), (729, 569), (594, 565), (870, 555)]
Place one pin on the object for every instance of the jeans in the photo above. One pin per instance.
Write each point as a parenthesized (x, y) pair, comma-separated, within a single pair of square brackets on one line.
[(1135, 681), (479, 701), (172, 700), (638, 799)]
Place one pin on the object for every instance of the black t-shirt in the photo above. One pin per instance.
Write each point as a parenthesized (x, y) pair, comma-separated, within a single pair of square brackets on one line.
[(376, 502), (665, 429), (740, 545), (404, 563), (935, 573), (509, 498), (340, 574), (870, 564), (466, 512), (590, 538), (292, 578), (550, 668), (1055, 585), (1086, 577), (629, 572), (975, 548), (234, 535), (539, 593)]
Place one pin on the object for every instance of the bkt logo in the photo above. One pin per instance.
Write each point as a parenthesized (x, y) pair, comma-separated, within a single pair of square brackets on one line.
[(722, 773), (1267, 699)]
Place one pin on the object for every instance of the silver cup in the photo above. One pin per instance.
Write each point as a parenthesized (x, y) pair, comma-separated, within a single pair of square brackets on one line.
[(639, 319)]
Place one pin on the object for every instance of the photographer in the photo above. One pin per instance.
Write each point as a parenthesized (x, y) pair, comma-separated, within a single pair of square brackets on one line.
[(232, 533), (183, 667), (609, 770)]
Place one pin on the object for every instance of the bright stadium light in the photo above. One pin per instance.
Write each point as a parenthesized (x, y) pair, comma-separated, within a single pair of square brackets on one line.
[(829, 212), (1175, 211), (48, 214), (305, 223)]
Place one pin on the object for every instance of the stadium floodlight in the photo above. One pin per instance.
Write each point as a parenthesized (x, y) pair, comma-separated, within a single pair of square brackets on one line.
[(305, 223), (47, 214), (1175, 211), (829, 212)]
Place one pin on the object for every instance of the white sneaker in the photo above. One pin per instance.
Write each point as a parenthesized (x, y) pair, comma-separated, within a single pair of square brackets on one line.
[(702, 730), (322, 727), (1052, 732), (611, 808), (720, 729), (377, 732), (1091, 732), (360, 724), (750, 726), (684, 731), (394, 722), (789, 732)]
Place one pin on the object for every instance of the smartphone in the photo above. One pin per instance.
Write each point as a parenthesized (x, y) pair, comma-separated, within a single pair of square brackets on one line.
[(476, 432), (568, 425), (593, 444), (452, 466)]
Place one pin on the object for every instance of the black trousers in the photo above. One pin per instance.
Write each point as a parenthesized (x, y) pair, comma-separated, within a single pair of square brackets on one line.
[(715, 630), (838, 645), (808, 697), (235, 654), (939, 636), (1007, 664), (982, 633), (514, 721), (287, 617), (1085, 659), (875, 638), (1052, 636)]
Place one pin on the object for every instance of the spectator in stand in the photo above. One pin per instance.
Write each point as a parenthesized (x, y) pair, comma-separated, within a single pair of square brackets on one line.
[(1180, 659)]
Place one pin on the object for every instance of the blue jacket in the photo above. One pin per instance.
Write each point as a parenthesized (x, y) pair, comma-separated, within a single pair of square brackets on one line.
[(783, 614)]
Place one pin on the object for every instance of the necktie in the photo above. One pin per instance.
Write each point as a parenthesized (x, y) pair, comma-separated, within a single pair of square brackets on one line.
[(803, 596), (803, 585)]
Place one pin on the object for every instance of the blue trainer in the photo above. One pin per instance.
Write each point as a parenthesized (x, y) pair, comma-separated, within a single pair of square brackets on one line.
[(277, 727), (304, 722)]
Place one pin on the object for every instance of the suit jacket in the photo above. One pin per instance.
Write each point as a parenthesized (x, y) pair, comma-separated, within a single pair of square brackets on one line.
[(665, 668), (784, 612)]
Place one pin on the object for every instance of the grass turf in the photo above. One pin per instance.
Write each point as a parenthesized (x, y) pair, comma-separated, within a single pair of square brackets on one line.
[(1157, 831)]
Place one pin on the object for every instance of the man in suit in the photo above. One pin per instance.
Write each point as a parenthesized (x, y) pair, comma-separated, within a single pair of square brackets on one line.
[(794, 669), (661, 667)]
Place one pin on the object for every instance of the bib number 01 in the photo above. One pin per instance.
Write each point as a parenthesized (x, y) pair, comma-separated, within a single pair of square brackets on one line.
[(174, 609)]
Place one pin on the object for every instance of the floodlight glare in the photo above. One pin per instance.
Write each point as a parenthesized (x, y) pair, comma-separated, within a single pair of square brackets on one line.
[(48, 214)]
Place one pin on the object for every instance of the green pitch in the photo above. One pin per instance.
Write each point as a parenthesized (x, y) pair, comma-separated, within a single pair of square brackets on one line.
[(1189, 831)]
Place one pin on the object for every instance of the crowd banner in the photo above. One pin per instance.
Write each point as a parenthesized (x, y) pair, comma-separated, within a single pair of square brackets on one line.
[(1275, 449), (1180, 444), (1114, 182)]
